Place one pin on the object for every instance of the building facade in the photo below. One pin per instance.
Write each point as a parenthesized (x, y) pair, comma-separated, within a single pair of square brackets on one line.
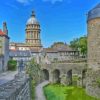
[(60, 52), (19, 55), (4, 48)]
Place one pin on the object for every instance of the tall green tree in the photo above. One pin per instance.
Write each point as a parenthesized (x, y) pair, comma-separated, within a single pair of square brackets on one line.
[(33, 69), (74, 44), (83, 45), (80, 44)]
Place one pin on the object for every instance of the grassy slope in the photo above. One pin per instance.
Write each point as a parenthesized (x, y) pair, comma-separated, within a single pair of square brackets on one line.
[(58, 92)]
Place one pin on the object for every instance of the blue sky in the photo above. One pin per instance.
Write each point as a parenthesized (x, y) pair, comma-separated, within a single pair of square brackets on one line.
[(60, 20)]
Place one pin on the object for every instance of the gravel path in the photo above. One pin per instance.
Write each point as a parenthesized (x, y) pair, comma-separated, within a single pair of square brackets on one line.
[(39, 91)]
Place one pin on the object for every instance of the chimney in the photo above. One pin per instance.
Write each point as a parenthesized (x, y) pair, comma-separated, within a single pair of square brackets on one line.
[(5, 30)]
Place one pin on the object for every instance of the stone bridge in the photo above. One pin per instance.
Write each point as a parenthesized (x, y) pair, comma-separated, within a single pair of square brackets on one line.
[(63, 72)]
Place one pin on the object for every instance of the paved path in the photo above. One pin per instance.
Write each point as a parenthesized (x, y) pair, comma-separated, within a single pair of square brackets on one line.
[(7, 76), (39, 91)]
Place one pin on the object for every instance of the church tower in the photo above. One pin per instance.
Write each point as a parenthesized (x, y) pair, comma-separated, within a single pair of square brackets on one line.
[(33, 33)]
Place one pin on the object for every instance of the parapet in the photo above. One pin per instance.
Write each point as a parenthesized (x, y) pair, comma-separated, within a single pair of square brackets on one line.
[(17, 89)]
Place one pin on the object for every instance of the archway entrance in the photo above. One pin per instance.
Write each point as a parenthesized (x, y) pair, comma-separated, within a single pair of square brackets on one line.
[(45, 74), (56, 76), (83, 77), (83, 74), (69, 77)]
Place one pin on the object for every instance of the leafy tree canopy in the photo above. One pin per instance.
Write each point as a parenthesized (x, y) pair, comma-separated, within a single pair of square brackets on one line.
[(80, 44), (33, 69)]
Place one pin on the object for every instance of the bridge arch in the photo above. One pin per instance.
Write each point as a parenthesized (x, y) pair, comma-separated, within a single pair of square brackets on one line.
[(69, 77), (56, 76), (83, 77), (45, 74), (84, 73)]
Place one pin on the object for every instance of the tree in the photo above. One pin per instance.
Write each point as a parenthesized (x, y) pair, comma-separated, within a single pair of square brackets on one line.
[(56, 43), (83, 45), (33, 69), (74, 44), (12, 65), (80, 44)]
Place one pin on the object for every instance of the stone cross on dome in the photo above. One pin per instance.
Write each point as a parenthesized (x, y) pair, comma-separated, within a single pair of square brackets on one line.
[(33, 13)]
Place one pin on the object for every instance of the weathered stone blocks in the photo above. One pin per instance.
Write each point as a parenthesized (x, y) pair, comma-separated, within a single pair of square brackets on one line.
[(17, 89)]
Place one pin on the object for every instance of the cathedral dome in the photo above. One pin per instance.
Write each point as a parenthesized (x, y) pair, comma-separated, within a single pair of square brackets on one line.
[(32, 19), (94, 13)]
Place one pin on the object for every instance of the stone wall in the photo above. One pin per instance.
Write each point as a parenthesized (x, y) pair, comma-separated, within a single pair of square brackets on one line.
[(64, 72), (93, 91), (94, 43), (93, 83), (1, 63), (93, 30), (17, 89)]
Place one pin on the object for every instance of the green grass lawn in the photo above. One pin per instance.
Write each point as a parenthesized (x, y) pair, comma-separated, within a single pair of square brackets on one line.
[(59, 92)]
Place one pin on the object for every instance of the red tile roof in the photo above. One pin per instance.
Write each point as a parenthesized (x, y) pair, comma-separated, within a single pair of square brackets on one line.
[(2, 33)]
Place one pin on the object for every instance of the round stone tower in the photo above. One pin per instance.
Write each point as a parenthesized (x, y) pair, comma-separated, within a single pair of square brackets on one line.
[(93, 72), (33, 32), (93, 27)]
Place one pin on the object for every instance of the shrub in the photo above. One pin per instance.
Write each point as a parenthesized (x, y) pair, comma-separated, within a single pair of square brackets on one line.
[(32, 89), (33, 69), (12, 65)]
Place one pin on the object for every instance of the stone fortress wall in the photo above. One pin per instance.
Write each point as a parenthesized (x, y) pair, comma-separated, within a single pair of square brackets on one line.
[(63, 72), (17, 89)]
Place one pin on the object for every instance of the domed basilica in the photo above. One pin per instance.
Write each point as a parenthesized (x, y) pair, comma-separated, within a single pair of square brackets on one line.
[(33, 41)]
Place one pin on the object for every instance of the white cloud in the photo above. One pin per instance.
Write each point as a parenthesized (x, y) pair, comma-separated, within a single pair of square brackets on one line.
[(11, 5), (25, 2), (53, 1)]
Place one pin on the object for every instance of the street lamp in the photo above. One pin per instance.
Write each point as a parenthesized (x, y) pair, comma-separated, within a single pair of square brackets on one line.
[(21, 66)]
